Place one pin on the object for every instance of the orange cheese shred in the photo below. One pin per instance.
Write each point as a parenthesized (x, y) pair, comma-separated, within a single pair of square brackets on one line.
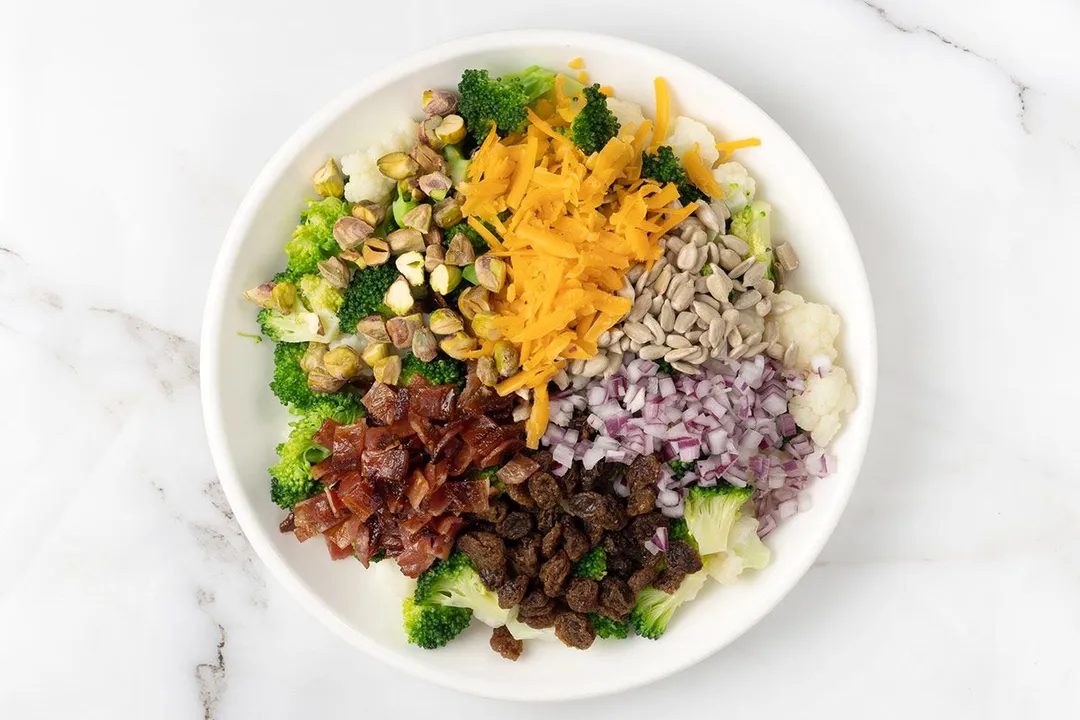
[(727, 149), (699, 174), (663, 111)]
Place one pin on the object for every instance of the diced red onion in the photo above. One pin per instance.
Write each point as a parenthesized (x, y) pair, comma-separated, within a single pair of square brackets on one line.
[(620, 488), (660, 539)]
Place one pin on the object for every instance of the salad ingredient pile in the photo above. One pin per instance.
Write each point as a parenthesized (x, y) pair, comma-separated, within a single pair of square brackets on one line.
[(542, 356)]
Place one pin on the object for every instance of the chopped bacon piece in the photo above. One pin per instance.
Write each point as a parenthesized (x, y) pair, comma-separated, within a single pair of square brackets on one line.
[(288, 524), (347, 445), (317, 514), (413, 522), (338, 553), (434, 403), (325, 436), (386, 465), (468, 496), (417, 489), (363, 546), (357, 493), (344, 534), (382, 403), (518, 470), (417, 556)]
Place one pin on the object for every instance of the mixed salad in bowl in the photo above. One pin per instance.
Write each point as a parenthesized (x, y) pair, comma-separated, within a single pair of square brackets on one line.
[(543, 356)]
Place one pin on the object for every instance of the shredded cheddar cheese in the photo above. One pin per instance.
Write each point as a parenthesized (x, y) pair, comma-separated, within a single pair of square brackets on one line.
[(727, 149), (570, 228), (699, 174), (663, 111)]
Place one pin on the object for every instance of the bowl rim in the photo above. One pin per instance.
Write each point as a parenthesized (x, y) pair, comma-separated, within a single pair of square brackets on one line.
[(217, 296)]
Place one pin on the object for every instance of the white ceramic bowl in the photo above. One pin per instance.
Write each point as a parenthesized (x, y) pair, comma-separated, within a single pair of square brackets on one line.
[(244, 420)]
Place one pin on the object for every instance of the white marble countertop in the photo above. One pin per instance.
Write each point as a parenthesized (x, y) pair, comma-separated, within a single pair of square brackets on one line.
[(950, 133)]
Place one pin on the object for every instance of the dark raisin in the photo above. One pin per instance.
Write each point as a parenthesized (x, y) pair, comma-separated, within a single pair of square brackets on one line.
[(493, 579), (540, 620), (513, 592), (575, 630), (488, 551), (643, 527), (571, 480), (553, 573), (505, 644), (586, 505), (543, 459), (534, 601), (546, 519), (616, 598), (545, 490), (552, 541), (495, 512), (595, 533), (669, 580), (642, 579), (515, 525), (575, 542), (641, 501), (643, 472), (620, 566), (520, 495), (591, 478), (583, 595), (681, 557), (525, 556)]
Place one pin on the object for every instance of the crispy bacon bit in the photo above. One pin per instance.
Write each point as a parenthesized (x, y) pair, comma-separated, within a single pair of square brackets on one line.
[(518, 470), (288, 524), (434, 403), (315, 515), (381, 402), (325, 436), (358, 494), (399, 484)]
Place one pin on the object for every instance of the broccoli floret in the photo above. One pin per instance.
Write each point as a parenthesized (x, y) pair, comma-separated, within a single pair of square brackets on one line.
[(480, 245), (592, 565), (296, 327), (432, 626), (291, 479), (455, 582), (607, 628), (291, 387), (457, 163), (653, 608), (745, 552), (679, 530), (711, 512), (664, 167), (313, 240), (365, 293), (594, 124), (319, 295), (443, 370), (681, 467), (312, 317), (751, 225), (487, 101)]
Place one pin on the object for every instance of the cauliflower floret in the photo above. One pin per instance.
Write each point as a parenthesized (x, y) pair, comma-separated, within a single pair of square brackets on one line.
[(627, 113), (362, 169), (811, 326), (819, 407), (739, 187), (685, 132)]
